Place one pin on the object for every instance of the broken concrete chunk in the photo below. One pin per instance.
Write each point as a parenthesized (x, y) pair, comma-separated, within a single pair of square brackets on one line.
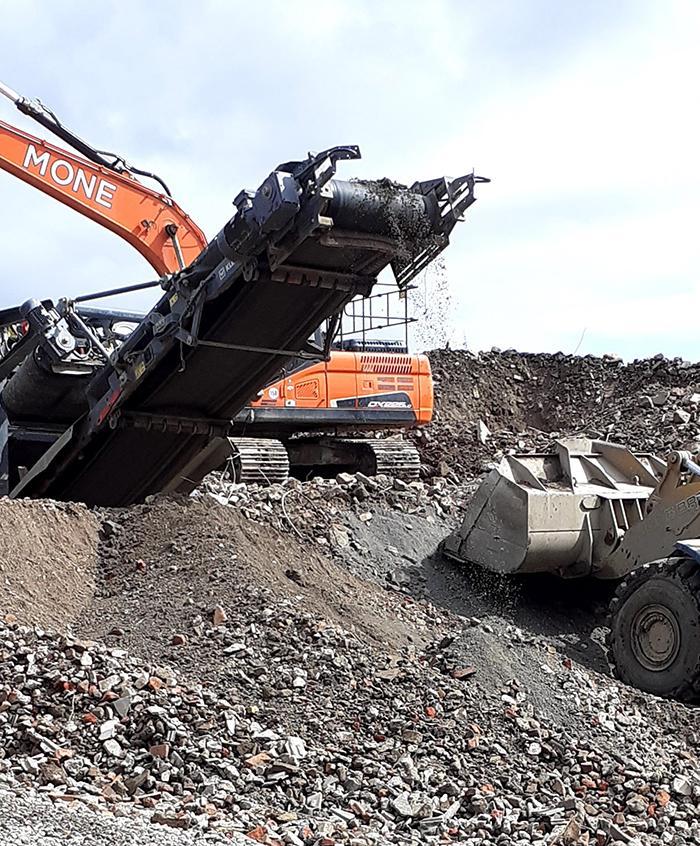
[(483, 432), (681, 785), (112, 747), (403, 805), (339, 536), (219, 616), (681, 416), (108, 729)]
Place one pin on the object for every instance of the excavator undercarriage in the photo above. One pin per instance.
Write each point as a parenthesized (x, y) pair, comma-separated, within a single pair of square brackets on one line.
[(266, 461)]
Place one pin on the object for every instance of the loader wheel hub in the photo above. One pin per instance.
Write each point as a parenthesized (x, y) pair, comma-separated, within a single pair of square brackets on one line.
[(656, 637)]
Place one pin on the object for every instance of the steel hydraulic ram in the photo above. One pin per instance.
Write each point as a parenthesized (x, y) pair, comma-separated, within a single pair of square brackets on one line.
[(296, 251)]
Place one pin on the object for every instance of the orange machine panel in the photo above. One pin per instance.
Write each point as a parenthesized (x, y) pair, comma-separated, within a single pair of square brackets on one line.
[(374, 383)]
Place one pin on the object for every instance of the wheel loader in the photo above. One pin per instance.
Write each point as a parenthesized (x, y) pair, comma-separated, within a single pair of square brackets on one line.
[(597, 509)]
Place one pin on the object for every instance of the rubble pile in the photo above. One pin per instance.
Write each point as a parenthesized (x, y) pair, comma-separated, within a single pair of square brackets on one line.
[(317, 509), (78, 719), (495, 402), (294, 665), (322, 739)]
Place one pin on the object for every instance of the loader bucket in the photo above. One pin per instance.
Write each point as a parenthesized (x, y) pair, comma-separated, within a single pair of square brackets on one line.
[(562, 513)]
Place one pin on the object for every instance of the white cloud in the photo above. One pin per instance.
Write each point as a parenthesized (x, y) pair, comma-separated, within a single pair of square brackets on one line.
[(590, 223), (583, 114)]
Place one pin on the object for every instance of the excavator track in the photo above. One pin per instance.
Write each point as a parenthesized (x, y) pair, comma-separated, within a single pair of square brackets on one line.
[(267, 461), (259, 461), (390, 457)]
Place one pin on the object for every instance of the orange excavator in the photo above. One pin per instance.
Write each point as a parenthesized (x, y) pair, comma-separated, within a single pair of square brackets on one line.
[(302, 422)]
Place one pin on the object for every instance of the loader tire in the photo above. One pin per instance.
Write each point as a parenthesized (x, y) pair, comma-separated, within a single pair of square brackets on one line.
[(654, 640)]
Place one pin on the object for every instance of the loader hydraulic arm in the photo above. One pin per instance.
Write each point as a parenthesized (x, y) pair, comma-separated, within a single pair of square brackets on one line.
[(103, 189)]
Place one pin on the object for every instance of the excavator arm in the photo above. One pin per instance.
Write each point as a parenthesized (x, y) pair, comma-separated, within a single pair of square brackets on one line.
[(103, 190)]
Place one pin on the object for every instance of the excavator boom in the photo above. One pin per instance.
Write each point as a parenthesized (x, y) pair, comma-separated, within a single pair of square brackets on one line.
[(150, 221)]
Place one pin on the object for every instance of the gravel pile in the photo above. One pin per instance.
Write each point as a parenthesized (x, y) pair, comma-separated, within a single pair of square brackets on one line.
[(322, 739), (496, 402), (167, 565), (29, 819), (316, 509)]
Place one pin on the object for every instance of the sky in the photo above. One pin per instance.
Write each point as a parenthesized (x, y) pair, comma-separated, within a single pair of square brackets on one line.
[(583, 113)]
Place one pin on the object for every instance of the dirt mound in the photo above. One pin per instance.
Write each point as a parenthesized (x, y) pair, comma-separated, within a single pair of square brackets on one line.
[(525, 400), (299, 731), (167, 565), (48, 554)]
